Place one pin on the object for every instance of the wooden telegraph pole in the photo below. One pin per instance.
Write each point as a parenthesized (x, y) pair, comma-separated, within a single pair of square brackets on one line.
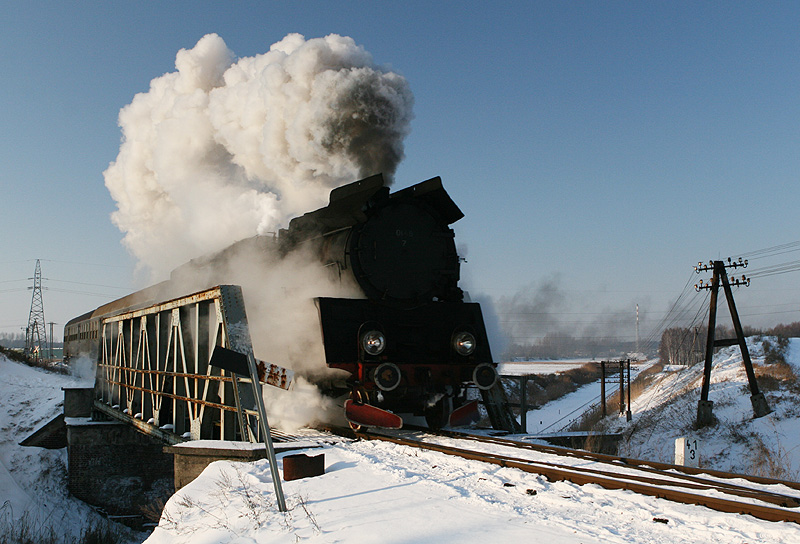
[(719, 268)]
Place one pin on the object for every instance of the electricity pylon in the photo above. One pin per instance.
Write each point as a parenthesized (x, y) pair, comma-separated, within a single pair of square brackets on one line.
[(36, 332)]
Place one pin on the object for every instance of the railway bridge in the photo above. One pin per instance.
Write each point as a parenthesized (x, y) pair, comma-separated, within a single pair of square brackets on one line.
[(165, 378)]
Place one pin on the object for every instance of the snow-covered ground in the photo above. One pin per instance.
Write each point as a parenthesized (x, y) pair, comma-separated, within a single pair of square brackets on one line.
[(33, 486), (376, 492), (560, 413), (667, 410), (518, 368), (381, 492)]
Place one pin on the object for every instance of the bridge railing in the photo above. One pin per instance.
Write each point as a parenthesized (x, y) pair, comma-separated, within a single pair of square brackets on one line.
[(154, 366)]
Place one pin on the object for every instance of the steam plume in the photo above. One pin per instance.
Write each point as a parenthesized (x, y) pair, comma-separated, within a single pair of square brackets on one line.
[(547, 321), (221, 150)]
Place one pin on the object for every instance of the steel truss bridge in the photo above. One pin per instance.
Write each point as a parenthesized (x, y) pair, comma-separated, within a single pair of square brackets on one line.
[(154, 369)]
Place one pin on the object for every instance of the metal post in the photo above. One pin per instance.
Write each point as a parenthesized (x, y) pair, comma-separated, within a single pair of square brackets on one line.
[(262, 419), (523, 403), (51, 340), (603, 387), (621, 387)]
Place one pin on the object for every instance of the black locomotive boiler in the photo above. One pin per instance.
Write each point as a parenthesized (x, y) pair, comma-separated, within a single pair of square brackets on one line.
[(410, 343)]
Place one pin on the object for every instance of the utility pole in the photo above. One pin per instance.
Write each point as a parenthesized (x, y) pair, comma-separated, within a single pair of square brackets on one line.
[(720, 275), (637, 331), (623, 409), (603, 387), (51, 340), (36, 334), (628, 415)]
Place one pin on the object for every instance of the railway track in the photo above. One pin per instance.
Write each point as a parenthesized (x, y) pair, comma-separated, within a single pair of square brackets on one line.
[(763, 498)]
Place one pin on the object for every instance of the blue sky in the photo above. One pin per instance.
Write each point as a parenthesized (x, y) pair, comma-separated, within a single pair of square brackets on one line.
[(605, 147)]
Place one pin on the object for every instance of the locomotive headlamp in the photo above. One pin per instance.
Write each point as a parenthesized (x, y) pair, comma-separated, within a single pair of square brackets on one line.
[(373, 342), (464, 343)]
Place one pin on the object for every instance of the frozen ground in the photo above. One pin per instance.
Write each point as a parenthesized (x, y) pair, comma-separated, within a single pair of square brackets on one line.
[(560, 413), (518, 368), (380, 492), (33, 487), (739, 443)]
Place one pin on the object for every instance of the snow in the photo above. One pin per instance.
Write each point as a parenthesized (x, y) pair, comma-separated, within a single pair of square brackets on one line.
[(33, 480), (519, 368), (667, 410), (558, 414), (387, 493)]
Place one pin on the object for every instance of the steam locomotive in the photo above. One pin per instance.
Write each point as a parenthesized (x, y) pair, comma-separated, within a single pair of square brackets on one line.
[(411, 343)]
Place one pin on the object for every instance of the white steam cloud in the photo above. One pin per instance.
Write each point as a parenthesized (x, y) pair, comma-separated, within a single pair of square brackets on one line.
[(221, 150)]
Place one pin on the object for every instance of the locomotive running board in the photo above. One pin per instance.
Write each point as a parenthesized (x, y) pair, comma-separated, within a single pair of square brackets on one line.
[(371, 416)]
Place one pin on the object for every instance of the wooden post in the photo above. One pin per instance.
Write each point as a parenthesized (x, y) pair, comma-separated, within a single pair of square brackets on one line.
[(757, 399), (705, 406), (628, 414), (603, 387), (523, 403)]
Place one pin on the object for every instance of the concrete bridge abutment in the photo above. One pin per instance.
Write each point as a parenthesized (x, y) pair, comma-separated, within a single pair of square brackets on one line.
[(111, 465)]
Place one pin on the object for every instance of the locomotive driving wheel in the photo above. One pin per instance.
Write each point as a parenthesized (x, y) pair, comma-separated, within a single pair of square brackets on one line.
[(438, 415)]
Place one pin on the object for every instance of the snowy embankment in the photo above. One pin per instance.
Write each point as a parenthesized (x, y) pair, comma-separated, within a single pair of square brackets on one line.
[(33, 481), (667, 409), (385, 493)]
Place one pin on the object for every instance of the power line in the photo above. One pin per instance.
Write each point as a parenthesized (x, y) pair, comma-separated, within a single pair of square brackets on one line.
[(102, 265), (90, 284), (74, 292), (773, 270), (771, 251)]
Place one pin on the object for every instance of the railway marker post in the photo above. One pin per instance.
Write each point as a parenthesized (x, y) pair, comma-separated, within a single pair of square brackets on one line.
[(687, 452), (245, 367)]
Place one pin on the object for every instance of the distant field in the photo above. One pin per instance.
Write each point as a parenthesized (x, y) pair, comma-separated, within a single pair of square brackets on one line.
[(540, 367)]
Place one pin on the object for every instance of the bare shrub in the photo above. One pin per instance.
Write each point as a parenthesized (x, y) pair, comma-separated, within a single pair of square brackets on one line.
[(775, 353), (775, 372), (152, 512), (29, 529), (770, 463)]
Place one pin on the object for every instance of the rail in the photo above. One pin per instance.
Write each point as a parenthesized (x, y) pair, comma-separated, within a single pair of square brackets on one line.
[(713, 489)]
